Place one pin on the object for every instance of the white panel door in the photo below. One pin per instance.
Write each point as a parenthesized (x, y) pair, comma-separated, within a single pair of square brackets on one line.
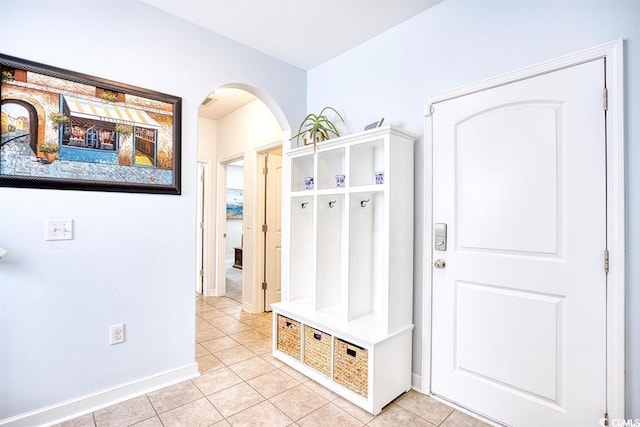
[(273, 255), (201, 233), (519, 306)]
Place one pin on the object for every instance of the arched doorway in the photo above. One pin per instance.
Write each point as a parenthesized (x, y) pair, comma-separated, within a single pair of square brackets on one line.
[(19, 120), (244, 131)]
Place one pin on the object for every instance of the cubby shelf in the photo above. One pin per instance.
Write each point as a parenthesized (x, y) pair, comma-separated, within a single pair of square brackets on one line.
[(347, 271)]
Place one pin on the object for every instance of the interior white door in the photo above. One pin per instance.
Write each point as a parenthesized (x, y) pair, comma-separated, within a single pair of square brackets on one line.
[(200, 239), (519, 304), (273, 253)]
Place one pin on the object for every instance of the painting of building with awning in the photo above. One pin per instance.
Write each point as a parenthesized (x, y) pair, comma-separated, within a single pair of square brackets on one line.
[(107, 129), (71, 129)]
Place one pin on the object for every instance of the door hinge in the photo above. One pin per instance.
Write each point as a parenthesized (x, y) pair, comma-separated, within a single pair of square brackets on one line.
[(428, 110), (265, 171), (604, 421), (202, 225), (264, 228), (264, 285), (201, 273), (606, 261), (605, 99), (202, 177)]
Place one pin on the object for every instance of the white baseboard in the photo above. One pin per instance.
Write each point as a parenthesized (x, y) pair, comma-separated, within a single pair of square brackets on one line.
[(416, 383), (482, 418), (249, 308), (70, 409)]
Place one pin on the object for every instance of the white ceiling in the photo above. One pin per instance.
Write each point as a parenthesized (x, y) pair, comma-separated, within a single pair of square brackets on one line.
[(303, 33), (223, 102)]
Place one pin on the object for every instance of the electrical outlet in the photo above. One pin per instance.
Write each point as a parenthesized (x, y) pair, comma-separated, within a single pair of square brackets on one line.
[(117, 334)]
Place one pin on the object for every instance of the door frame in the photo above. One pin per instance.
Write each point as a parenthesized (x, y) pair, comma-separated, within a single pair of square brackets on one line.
[(221, 219), (260, 152), (612, 52), (202, 240)]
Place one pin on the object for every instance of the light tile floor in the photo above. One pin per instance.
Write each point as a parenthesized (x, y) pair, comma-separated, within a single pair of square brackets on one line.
[(243, 385), (233, 282)]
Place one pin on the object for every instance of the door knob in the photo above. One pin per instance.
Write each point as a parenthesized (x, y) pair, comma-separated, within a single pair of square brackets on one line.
[(439, 263)]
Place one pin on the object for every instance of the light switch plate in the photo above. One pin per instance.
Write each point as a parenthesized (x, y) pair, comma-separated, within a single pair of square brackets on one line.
[(59, 229)]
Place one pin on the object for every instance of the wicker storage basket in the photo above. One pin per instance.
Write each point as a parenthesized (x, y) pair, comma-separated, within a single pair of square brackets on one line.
[(350, 366), (317, 350), (289, 337)]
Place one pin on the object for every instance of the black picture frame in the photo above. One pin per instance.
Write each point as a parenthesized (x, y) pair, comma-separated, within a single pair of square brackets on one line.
[(71, 131)]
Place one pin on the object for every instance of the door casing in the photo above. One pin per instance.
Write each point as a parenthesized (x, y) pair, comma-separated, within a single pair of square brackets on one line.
[(202, 267), (261, 152), (221, 218), (613, 54)]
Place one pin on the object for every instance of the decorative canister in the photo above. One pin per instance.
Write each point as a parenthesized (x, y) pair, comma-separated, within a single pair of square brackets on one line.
[(308, 183), (378, 177), (340, 180)]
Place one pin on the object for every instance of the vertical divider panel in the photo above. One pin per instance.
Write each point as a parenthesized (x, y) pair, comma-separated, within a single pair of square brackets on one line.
[(399, 211), (379, 255), (346, 247), (301, 244), (330, 210), (361, 220), (379, 160)]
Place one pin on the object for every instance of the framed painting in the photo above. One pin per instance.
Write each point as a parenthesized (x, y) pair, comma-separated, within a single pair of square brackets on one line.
[(234, 203), (66, 130)]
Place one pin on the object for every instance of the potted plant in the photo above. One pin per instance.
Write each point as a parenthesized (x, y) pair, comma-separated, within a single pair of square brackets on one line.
[(317, 127), (58, 119), (109, 96), (7, 76), (124, 130), (50, 150)]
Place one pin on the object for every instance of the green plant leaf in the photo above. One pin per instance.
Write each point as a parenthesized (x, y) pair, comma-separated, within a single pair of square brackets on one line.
[(334, 110), (318, 123)]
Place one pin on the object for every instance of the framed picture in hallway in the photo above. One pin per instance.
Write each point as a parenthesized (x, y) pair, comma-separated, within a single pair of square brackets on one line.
[(66, 130), (234, 203)]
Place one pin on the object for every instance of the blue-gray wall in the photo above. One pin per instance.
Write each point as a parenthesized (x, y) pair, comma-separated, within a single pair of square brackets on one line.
[(458, 42), (133, 256)]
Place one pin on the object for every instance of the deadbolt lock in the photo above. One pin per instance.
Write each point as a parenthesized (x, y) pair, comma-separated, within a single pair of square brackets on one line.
[(440, 237)]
